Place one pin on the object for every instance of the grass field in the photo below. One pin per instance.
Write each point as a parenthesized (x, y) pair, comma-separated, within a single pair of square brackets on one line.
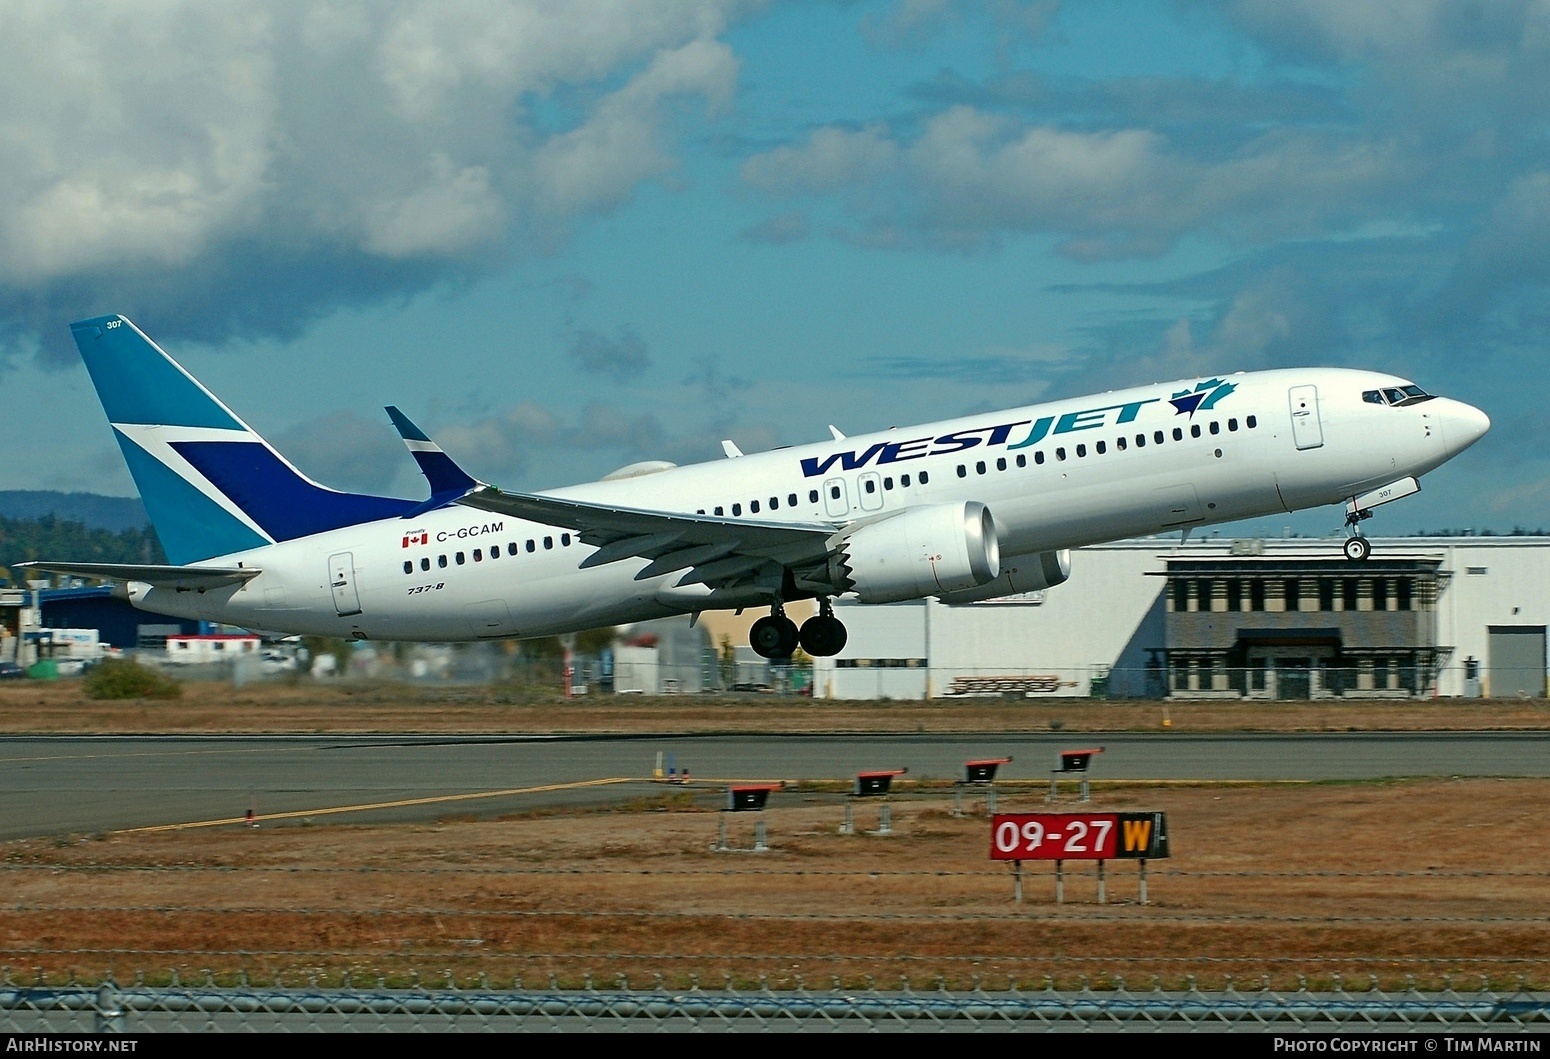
[(1424, 880)]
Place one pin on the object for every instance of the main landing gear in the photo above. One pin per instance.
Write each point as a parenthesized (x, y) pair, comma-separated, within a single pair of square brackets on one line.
[(776, 635)]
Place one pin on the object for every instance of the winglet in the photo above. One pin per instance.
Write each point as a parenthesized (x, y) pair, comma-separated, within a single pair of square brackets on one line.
[(730, 448), (836, 432), (448, 481)]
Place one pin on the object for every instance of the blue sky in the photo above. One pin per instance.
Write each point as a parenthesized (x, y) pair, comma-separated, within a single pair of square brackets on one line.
[(569, 236)]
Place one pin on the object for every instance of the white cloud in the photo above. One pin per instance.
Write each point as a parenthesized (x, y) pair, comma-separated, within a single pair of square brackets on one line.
[(146, 148), (969, 176)]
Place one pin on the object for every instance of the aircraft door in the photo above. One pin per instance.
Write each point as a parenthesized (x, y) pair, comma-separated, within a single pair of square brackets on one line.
[(341, 581), (870, 491), (836, 498), (1307, 432)]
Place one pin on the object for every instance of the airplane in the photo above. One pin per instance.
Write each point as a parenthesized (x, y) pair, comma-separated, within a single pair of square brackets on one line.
[(967, 509)]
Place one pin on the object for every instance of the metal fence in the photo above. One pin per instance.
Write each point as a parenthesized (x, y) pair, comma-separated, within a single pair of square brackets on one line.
[(112, 1008)]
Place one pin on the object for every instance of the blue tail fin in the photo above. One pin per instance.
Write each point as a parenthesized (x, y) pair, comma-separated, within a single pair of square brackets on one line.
[(211, 485)]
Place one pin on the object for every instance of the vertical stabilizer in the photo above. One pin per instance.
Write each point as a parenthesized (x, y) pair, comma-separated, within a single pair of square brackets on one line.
[(211, 485)]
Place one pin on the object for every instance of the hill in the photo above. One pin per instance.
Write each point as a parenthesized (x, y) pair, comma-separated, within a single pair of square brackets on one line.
[(92, 510)]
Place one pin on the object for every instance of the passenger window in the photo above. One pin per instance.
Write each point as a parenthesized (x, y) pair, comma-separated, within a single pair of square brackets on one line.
[(1060, 453), (834, 492), (548, 544), (1099, 448), (963, 472), (812, 496), (1251, 422), (441, 561), (478, 555), (737, 509), (1140, 441), (720, 510), (1157, 437), (1119, 443), (425, 564), (495, 552), (753, 507), (774, 503), (1216, 428), (1178, 433), (1194, 430), (1022, 460), (979, 467), (924, 477), (531, 545), (1081, 450), (460, 559), (1038, 457), (871, 485), (1001, 463), (904, 481), (408, 566), (792, 500), (565, 540), (1232, 424), (887, 483)]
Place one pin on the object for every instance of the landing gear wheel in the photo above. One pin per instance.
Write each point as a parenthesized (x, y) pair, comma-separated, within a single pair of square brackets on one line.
[(823, 636), (774, 636), (1357, 549)]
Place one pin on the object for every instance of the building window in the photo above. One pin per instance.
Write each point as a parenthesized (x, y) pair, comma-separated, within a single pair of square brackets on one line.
[(1234, 594), (1326, 594), (1402, 593), (1380, 593), (1291, 588), (1256, 595), (1348, 594)]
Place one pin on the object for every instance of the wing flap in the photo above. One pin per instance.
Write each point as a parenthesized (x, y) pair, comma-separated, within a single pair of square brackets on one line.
[(718, 550)]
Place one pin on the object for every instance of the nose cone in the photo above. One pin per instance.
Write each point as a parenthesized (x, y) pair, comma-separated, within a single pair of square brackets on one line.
[(1464, 425)]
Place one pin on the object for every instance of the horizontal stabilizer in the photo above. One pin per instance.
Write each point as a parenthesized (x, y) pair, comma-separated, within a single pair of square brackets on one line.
[(186, 578)]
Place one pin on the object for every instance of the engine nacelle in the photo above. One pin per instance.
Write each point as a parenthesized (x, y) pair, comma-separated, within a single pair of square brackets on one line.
[(1030, 572), (920, 552)]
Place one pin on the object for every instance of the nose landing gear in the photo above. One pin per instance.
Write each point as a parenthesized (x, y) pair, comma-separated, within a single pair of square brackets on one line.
[(1357, 549)]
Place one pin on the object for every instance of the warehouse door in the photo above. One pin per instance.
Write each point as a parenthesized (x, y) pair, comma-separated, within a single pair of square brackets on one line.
[(1516, 656)]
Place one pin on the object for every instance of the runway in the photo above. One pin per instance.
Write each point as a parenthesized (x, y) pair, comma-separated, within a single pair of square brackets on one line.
[(55, 785)]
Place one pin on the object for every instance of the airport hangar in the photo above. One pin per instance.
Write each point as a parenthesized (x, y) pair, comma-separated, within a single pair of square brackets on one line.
[(1458, 616)]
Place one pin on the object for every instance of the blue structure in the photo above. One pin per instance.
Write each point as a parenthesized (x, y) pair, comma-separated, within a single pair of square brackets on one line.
[(116, 620)]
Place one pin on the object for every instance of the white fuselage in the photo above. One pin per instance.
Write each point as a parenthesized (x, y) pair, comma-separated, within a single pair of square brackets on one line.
[(1054, 476)]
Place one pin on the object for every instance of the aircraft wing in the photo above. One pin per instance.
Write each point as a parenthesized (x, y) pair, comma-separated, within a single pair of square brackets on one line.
[(184, 578), (718, 552)]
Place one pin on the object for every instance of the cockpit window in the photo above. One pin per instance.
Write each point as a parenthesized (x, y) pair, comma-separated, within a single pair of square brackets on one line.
[(1397, 396)]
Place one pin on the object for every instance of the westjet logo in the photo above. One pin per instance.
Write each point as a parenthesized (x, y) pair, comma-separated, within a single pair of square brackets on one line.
[(1202, 398), (418, 536), (988, 436)]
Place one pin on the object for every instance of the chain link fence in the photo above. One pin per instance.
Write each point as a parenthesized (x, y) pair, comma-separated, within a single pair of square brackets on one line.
[(112, 1008)]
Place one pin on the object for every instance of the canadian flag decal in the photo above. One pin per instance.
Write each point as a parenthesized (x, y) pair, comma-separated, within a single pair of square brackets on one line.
[(416, 537)]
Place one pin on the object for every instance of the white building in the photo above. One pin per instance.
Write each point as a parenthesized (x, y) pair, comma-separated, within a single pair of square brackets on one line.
[(1222, 618)]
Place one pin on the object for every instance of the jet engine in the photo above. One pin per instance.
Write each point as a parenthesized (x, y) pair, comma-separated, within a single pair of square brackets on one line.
[(1031, 572), (923, 551)]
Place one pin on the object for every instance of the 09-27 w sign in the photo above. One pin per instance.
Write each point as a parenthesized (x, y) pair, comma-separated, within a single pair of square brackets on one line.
[(1078, 836)]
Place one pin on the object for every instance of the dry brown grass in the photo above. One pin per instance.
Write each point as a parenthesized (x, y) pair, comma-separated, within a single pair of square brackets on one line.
[(61, 707), (1433, 879)]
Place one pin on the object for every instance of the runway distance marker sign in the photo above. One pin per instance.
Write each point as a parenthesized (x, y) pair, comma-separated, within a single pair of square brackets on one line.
[(1078, 836)]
